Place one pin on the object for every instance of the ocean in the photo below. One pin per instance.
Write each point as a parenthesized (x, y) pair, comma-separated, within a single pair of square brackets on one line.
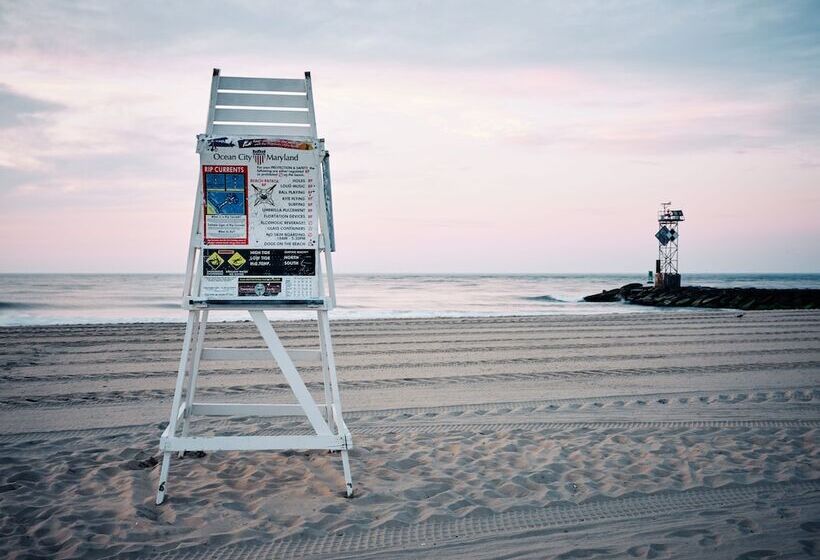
[(46, 299)]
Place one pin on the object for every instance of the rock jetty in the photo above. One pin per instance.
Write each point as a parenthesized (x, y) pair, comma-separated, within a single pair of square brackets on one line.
[(701, 296)]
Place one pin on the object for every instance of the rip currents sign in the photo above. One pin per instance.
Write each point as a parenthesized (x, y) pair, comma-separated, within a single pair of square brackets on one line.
[(260, 200)]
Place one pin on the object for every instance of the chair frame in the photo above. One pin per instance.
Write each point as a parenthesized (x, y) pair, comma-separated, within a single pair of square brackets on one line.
[(288, 113)]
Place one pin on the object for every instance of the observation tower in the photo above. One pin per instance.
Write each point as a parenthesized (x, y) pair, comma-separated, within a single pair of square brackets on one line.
[(666, 267)]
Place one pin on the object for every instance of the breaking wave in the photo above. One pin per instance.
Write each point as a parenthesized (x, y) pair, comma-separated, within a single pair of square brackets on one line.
[(544, 298), (21, 305)]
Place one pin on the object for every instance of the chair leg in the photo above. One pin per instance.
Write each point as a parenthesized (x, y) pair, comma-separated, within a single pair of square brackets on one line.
[(323, 344), (196, 355), (327, 351), (163, 477), (348, 478), (184, 362)]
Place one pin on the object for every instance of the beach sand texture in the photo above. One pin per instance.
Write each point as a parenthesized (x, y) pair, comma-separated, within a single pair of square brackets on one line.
[(654, 435)]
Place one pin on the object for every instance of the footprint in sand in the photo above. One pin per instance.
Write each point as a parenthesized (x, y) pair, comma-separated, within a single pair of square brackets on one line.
[(756, 555), (585, 553), (745, 526), (811, 526), (653, 550), (707, 538), (811, 548)]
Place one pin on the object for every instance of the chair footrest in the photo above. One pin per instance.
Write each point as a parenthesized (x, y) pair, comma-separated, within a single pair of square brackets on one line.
[(254, 443)]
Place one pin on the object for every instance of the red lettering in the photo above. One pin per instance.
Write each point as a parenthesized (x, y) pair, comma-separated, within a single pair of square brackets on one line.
[(224, 168)]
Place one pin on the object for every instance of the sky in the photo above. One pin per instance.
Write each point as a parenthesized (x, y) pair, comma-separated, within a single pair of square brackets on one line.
[(485, 137)]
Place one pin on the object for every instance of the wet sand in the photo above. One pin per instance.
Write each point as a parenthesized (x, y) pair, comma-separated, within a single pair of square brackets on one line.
[(653, 435)]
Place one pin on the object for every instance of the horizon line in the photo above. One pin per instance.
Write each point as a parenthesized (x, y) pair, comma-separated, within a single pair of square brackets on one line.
[(360, 273)]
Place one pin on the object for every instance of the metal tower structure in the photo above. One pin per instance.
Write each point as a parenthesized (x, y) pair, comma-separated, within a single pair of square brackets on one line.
[(666, 267)]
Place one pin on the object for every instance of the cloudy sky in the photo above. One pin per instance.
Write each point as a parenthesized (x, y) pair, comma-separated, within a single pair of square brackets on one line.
[(466, 136)]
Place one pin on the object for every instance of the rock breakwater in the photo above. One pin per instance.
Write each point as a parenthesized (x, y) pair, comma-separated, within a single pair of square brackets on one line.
[(702, 296)]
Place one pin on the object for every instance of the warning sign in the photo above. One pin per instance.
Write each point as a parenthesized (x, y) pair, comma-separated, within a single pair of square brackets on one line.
[(260, 218), (214, 260), (269, 199), (225, 190), (261, 273), (261, 262), (237, 260)]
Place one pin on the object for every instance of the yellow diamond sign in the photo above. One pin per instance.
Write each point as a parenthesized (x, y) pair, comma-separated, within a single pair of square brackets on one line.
[(237, 260), (215, 260)]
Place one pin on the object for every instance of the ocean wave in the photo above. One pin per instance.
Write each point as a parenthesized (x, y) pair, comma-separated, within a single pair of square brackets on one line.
[(22, 305), (65, 299), (89, 305), (544, 298), (164, 305)]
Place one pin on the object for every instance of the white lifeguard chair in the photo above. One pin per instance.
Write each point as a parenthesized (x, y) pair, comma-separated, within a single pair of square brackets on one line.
[(260, 134)]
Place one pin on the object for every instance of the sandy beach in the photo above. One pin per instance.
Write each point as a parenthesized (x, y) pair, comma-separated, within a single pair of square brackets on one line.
[(655, 435)]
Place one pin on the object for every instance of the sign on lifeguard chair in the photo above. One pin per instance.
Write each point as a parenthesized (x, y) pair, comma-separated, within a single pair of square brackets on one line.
[(261, 238)]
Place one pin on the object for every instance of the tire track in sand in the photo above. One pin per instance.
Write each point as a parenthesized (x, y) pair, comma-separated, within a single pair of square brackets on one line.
[(105, 398), (472, 528), (438, 428), (265, 366), (640, 322), (374, 420), (172, 355)]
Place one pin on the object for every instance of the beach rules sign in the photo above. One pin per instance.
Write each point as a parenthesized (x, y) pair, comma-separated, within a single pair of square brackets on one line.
[(260, 204)]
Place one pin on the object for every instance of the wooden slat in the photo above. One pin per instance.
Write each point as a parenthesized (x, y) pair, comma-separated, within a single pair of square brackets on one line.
[(278, 131), (251, 116), (262, 84), (267, 100)]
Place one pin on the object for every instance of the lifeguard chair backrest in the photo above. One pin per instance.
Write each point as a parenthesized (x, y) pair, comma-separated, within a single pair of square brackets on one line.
[(279, 107)]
